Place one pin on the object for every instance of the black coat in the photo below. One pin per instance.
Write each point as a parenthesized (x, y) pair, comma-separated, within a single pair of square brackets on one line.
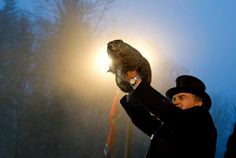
[(174, 132)]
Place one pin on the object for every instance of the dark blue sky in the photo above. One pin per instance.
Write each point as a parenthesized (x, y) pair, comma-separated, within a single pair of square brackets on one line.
[(199, 35)]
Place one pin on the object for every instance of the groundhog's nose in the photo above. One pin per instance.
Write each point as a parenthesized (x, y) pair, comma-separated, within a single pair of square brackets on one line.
[(109, 46)]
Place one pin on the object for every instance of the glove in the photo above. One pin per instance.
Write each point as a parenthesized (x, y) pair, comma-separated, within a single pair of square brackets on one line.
[(127, 83), (123, 85)]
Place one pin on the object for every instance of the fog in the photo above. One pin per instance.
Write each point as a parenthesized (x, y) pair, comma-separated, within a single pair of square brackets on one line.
[(56, 94)]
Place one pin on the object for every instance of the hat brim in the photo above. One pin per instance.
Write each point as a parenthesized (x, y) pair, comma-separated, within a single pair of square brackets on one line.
[(205, 97)]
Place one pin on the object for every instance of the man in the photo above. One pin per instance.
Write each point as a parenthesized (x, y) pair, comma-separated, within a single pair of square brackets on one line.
[(179, 125), (231, 145)]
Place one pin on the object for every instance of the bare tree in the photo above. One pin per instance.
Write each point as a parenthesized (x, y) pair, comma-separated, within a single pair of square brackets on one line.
[(60, 79)]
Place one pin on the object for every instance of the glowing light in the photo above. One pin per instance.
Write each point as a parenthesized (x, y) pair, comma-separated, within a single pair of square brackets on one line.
[(148, 50), (103, 62)]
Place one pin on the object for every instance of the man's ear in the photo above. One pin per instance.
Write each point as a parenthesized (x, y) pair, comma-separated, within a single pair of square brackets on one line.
[(199, 103)]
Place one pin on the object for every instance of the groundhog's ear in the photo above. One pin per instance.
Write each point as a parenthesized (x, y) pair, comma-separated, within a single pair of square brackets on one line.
[(115, 42), (118, 41)]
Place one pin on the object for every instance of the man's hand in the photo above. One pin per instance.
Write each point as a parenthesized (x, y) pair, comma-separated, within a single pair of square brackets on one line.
[(128, 82)]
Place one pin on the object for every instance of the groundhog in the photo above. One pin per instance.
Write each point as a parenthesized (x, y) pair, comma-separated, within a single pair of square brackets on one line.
[(126, 58)]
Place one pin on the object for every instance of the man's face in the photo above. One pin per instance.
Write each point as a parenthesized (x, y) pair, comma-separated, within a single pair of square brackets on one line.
[(186, 100)]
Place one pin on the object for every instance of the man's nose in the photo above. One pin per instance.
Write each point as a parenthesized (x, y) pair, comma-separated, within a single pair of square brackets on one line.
[(175, 101)]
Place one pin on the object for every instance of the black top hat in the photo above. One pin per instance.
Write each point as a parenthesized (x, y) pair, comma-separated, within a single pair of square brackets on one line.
[(190, 84)]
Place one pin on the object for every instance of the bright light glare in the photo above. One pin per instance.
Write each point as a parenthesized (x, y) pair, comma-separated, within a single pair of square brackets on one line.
[(148, 51), (103, 62)]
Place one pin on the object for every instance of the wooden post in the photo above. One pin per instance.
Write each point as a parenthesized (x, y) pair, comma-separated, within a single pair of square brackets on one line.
[(128, 142)]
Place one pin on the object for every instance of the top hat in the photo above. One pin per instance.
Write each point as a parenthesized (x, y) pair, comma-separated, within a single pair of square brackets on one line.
[(190, 84)]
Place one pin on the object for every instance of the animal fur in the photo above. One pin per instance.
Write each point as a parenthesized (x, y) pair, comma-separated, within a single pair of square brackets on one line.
[(126, 58)]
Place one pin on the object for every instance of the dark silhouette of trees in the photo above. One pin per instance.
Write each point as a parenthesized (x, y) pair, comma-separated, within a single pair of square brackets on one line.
[(15, 63), (43, 113)]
